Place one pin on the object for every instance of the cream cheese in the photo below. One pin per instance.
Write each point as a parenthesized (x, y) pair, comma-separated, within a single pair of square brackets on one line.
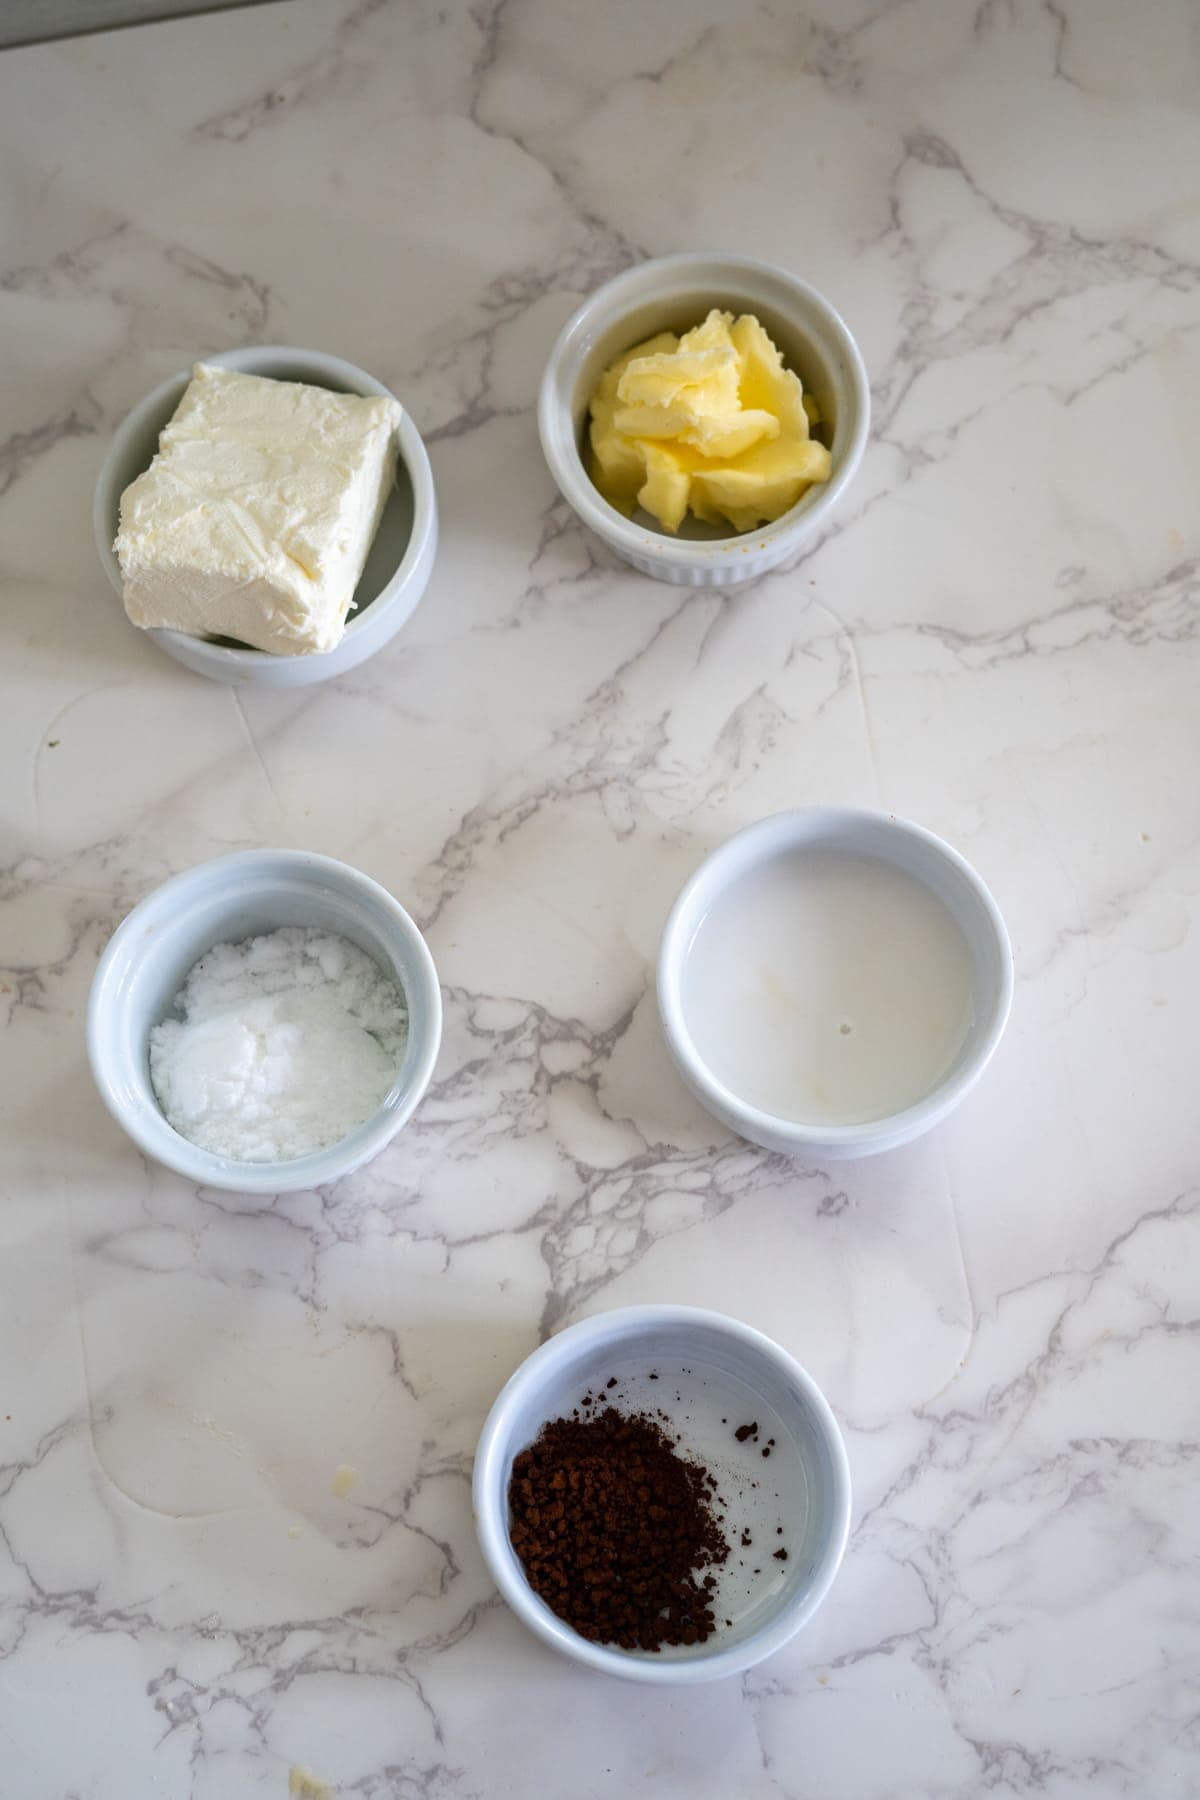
[(255, 518)]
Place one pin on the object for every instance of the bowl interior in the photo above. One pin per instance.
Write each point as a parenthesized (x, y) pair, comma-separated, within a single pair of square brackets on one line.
[(158, 945), (870, 840), (709, 1384), (140, 442), (809, 346)]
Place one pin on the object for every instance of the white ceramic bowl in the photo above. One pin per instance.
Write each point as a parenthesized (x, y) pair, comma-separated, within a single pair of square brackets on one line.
[(234, 897), (732, 1373), (675, 293), (398, 565), (873, 835)]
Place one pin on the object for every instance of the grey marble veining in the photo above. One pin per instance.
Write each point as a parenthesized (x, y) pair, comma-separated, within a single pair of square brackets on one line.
[(997, 635)]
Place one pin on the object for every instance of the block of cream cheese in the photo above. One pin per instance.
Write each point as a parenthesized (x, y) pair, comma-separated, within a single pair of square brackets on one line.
[(255, 518)]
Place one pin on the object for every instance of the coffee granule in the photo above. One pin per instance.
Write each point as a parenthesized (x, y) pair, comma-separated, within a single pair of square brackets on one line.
[(615, 1530)]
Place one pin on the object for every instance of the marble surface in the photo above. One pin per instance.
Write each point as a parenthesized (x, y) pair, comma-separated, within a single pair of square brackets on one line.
[(998, 637)]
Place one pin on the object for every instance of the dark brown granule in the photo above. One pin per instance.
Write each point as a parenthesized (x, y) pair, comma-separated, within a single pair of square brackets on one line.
[(766, 1449), (615, 1530), (746, 1538), (611, 1382), (745, 1431), (781, 1556)]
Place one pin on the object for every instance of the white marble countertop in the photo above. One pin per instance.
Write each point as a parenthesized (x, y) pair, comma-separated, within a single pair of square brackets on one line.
[(999, 638)]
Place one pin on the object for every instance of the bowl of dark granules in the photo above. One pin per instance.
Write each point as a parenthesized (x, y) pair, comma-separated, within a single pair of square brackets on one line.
[(662, 1493)]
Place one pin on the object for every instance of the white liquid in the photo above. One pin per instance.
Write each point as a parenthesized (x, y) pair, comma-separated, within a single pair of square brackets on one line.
[(828, 989)]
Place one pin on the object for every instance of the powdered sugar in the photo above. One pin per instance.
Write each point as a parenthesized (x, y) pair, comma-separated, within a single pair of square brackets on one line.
[(285, 1043)]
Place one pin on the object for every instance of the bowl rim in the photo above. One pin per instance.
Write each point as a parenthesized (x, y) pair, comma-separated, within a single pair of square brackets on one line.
[(411, 448), (604, 304), (491, 1505), (773, 834), (321, 1167)]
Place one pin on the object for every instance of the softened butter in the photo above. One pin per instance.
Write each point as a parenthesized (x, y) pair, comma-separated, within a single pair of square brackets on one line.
[(710, 422)]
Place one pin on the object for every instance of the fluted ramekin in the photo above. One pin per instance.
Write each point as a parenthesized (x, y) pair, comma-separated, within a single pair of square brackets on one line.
[(675, 293)]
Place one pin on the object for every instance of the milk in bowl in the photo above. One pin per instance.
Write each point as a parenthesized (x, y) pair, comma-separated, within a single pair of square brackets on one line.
[(828, 988)]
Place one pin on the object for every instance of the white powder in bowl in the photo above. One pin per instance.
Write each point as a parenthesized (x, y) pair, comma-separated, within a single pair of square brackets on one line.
[(284, 1044)]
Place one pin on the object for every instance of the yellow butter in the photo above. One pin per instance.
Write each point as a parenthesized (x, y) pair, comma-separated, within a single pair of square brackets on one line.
[(668, 483), (725, 439), (710, 422)]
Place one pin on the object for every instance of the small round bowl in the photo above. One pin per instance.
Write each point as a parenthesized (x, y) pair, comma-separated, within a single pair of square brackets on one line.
[(398, 564), (674, 293), (873, 836), (712, 1374), (151, 952)]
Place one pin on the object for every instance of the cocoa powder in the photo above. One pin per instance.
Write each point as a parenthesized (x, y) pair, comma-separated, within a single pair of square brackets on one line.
[(615, 1530)]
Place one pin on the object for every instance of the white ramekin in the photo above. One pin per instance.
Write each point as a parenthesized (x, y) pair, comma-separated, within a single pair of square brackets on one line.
[(674, 293), (551, 1381), (400, 560), (877, 835), (147, 961)]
